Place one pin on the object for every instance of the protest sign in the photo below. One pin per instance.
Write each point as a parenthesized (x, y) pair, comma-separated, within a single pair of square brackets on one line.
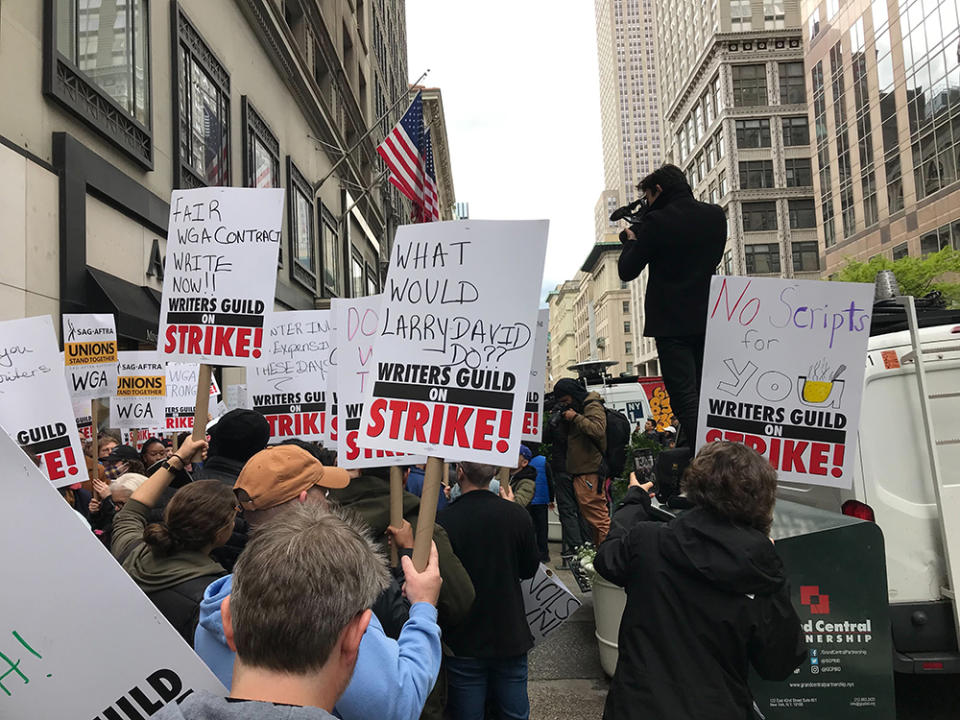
[(533, 414), (216, 290), (783, 373), (235, 396), (141, 396), (181, 382), (90, 355), (357, 324), (35, 407), (547, 602), (456, 340), (83, 414), (55, 664), (289, 389)]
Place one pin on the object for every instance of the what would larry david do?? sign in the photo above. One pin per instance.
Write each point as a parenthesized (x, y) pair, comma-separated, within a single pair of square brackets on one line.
[(457, 331)]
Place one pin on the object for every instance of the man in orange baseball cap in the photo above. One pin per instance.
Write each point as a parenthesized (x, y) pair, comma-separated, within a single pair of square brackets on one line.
[(282, 474)]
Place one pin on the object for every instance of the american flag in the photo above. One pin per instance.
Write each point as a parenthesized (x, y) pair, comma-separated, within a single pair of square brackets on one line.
[(214, 147), (407, 152)]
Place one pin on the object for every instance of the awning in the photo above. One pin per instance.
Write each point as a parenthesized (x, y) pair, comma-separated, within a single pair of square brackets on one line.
[(136, 307)]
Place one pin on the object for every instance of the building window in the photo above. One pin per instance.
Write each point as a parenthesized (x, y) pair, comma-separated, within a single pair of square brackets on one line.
[(372, 284), (749, 85), (759, 216), (628, 347), (762, 259), (98, 66), (802, 214), (261, 150), (806, 256), (356, 277), (300, 222), (626, 326), (626, 307), (330, 244), (900, 251), (740, 15), (814, 23), (753, 133), (722, 182), (799, 173), (718, 139), (756, 174), (202, 111), (894, 184), (833, 7), (796, 131), (871, 213), (728, 262), (716, 97), (774, 17), (792, 90)]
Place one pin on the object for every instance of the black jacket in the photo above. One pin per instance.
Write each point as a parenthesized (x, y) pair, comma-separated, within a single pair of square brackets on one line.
[(226, 471), (495, 541), (682, 241), (705, 600)]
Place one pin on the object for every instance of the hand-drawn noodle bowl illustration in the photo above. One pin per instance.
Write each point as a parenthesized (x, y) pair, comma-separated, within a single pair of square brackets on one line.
[(821, 387)]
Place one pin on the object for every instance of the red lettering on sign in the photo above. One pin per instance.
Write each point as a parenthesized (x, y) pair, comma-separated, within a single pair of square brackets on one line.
[(213, 340)]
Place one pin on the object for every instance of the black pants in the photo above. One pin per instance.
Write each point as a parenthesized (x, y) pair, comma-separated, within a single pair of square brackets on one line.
[(681, 365), (573, 528), (539, 515)]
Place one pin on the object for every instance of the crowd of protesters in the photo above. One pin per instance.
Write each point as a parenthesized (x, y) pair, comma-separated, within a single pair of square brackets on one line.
[(270, 561)]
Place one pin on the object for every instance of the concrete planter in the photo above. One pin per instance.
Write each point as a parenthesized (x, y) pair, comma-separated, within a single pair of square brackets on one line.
[(608, 604)]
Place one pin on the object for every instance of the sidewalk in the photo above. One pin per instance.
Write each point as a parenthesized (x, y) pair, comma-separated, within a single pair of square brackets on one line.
[(566, 681)]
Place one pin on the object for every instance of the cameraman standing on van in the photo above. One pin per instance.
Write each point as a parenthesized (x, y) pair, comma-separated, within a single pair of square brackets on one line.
[(682, 241)]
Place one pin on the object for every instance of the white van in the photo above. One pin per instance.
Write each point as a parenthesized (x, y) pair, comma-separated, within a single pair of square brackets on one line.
[(895, 485)]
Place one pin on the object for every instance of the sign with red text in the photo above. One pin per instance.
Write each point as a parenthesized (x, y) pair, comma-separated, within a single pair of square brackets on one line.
[(141, 397), (90, 355), (216, 291), (289, 390), (35, 408), (358, 326), (457, 331), (783, 372), (533, 413), (52, 665), (83, 414), (181, 385)]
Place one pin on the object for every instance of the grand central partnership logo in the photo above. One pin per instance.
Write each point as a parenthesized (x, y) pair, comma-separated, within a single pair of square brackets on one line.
[(821, 632)]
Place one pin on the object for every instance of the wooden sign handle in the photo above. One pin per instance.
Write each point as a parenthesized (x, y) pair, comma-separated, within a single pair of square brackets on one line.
[(396, 507), (94, 442), (202, 405), (428, 512)]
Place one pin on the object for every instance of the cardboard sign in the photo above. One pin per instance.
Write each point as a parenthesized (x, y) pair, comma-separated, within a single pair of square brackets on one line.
[(90, 355), (660, 410), (181, 379), (290, 389), (547, 602), (83, 414), (358, 326), (53, 666), (533, 413), (34, 405), (216, 291), (235, 396), (783, 372), (141, 396), (456, 340)]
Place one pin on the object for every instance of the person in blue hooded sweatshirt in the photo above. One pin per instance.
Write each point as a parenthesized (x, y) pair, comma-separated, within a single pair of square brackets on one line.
[(392, 678)]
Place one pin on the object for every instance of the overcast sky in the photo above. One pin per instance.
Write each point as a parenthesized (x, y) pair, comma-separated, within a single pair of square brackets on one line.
[(521, 99)]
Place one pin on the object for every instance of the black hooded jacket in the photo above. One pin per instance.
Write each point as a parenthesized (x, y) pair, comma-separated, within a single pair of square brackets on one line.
[(705, 600), (682, 241)]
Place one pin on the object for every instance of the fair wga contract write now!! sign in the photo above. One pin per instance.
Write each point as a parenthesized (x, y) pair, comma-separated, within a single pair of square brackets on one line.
[(457, 330), (218, 286)]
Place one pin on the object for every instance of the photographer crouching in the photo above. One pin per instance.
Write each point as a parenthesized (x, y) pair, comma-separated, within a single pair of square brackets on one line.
[(682, 241)]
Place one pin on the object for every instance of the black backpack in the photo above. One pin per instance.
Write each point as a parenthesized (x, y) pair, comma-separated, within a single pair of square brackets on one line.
[(618, 437)]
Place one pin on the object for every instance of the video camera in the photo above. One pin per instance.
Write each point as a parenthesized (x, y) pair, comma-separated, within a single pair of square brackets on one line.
[(632, 213)]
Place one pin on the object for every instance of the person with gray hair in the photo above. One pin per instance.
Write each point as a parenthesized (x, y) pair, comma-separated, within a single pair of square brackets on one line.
[(300, 605), (108, 500)]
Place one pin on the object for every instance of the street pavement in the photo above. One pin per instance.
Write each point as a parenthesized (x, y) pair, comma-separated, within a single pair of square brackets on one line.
[(567, 682)]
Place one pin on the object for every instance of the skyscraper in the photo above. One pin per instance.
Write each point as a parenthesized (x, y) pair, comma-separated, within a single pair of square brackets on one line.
[(884, 80), (630, 121)]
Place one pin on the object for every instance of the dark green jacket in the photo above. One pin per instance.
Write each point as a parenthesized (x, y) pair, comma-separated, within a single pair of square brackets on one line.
[(369, 497), (524, 485)]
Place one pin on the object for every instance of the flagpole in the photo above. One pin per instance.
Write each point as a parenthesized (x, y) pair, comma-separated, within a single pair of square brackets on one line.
[(370, 187), (373, 126)]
